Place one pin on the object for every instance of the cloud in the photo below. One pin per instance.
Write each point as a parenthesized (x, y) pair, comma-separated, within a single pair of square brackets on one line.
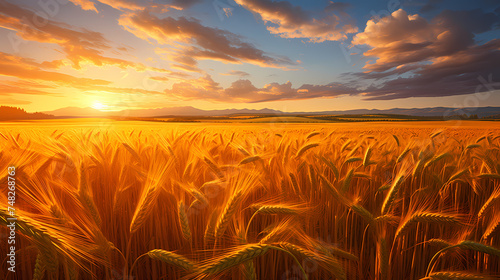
[(465, 72), (134, 5), (12, 101), (15, 66), (124, 4), (85, 5), (430, 6), (79, 44), (236, 73), (190, 41), (243, 90), (24, 87), (159, 78), (183, 4), (288, 21), (441, 57), (448, 33), (31, 76), (137, 5)]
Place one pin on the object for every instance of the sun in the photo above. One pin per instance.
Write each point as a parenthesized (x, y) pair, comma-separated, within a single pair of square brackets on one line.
[(99, 106)]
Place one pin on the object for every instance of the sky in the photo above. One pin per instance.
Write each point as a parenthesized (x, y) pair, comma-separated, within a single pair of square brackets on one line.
[(217, 54)]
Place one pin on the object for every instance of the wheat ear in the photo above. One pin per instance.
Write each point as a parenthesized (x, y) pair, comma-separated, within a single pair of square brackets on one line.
[(428, 217), (173, 259), (184, 222), (454, 275), (245, 254), (227, 213), (305, 148), (391, 195)]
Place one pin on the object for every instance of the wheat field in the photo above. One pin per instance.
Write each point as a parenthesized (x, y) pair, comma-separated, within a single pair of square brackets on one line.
[(253, 202)]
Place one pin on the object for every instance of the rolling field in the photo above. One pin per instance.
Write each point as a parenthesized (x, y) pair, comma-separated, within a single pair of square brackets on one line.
[(101, 199)]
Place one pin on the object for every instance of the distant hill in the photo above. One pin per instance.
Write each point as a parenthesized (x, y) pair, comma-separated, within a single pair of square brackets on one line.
[(443, 112), (159, 112), (8, 113), (77, 112)]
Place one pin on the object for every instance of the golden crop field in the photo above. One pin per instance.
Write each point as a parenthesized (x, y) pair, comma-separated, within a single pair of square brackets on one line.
[(242, 201)]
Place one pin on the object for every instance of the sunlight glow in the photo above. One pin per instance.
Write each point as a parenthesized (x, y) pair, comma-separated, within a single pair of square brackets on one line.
[(99, 106)]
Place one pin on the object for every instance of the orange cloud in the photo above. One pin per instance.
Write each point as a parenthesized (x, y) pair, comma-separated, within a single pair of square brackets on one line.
[(191, 41), (85, 4), (79, 45), (23, 87), (28, 72), (124, 4), (290, 21), (12, 101), (159, 78), (137, 5), (244, 91), (24, 69), (236, 73)]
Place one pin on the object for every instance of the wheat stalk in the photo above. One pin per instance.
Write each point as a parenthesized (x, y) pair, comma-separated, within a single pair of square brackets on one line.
[(276, 209), (387, 218), (427, 217), (144, 207), (465, 245), (403, 155), (39, 268), (295, 185), (209, 235), (333, 191), (345, 145), (305, 148), (249, 160), (489, 176), (227, 213), (329, 263), (184, 222), (242, 255), (475, 246), (435, 134), (335, 251), (214, 168), (199, 196), (366, 159), (86, 199), (396, 138), (383, 256), (365, 214), (391, 195), (312, 134), (494, 197), (352, 159), (492, 227), (276, 230), (454, 275), (439, 243), (173, 259), (347, 181)]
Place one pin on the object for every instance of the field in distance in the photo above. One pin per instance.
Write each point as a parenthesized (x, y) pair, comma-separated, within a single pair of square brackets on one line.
[(246, 118)]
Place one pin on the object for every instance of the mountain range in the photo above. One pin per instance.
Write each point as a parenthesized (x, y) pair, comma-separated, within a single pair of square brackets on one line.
[(191, 111)]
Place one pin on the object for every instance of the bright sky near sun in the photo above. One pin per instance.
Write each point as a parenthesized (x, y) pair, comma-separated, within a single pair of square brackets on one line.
[(218, 54)]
